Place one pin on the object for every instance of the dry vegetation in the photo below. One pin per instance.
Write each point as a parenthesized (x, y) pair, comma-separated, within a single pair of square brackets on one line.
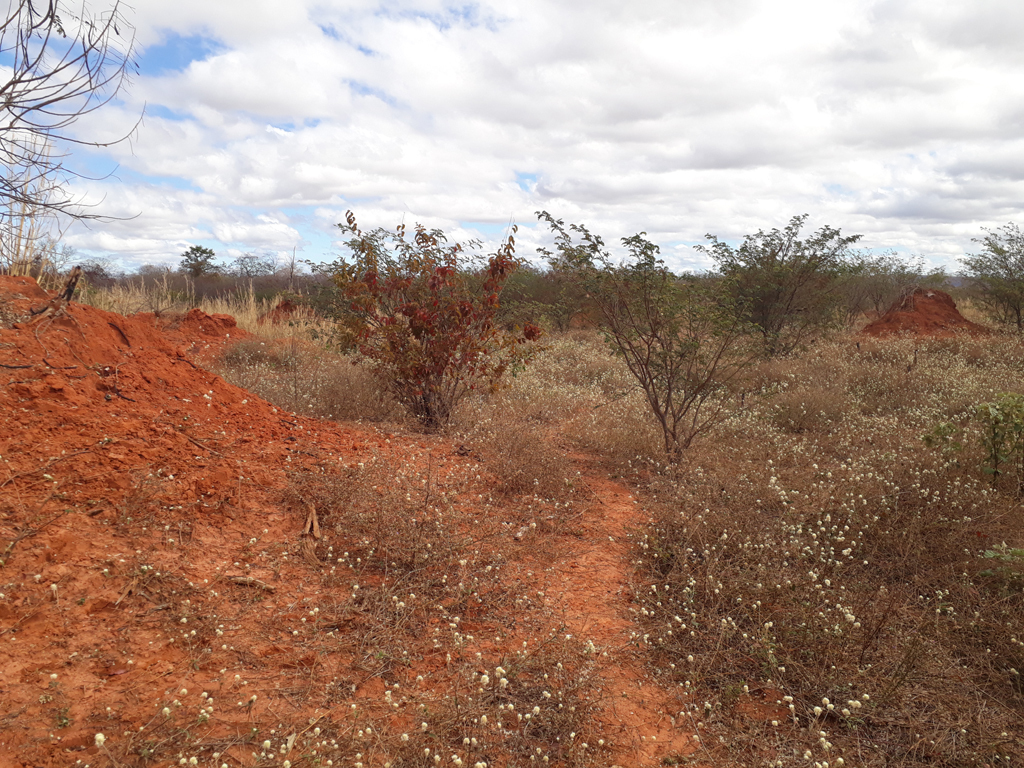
[(177, 294), (821, 586), (402, 574), (820, 556)]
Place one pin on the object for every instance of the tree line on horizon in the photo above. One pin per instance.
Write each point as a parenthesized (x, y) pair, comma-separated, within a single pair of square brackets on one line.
[(793, 286)]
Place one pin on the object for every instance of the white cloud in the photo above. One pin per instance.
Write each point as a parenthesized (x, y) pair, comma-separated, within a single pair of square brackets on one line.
[(898, 119)]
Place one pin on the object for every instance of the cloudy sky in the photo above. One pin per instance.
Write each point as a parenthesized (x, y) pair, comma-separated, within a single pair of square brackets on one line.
[(266, 119)]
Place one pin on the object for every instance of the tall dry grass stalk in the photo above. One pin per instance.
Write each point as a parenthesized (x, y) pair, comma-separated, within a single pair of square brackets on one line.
[(130, 297), (177, 294)]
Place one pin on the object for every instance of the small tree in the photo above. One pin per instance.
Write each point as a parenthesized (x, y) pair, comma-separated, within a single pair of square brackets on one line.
[(411, 308), (198, 261), (1002, 437), (786, 287), (681, 339), (250, 266), (997, 274)]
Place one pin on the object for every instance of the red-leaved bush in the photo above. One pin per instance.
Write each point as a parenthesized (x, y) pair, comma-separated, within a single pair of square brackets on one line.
[(427, 322)]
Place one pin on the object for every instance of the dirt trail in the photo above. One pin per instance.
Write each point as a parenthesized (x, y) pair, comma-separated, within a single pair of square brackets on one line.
[(589, 585)]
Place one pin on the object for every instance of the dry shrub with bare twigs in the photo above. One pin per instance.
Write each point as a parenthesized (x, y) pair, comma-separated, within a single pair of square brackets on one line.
[(845, 574), (309, 379)]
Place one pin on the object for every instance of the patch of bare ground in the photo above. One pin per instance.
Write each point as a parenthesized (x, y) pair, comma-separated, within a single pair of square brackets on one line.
[(588, 585)]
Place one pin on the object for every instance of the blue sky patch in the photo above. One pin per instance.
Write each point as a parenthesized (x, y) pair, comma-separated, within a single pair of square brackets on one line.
[(333, 33), (838, 190), (176, 52), (526, 181), (489, 229), (363, 89), (330, 31), (159, 110), (467, 16)]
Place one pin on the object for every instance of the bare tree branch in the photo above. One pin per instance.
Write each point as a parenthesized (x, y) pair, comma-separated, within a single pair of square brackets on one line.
[(65, 64)]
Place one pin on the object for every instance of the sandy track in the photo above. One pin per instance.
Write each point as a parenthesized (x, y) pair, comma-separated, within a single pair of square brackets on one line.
[(588, 585)]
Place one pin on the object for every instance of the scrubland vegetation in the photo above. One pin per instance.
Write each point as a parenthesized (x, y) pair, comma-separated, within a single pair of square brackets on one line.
[(828, 558), (828, 561), (813, 550)]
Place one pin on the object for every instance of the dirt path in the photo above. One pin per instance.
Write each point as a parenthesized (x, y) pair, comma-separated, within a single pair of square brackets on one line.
[(589, 585)]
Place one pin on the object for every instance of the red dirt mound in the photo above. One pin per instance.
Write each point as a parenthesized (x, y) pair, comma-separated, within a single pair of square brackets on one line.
[(107, 428), (283, 312), (925, 312)]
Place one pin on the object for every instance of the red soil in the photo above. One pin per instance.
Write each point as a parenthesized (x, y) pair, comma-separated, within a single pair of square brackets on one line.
[(925, 312), (119, 455), (591, 580), (282, 313)]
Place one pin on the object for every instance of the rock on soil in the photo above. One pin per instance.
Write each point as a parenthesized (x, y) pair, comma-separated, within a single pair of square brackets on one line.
[(925, 312)]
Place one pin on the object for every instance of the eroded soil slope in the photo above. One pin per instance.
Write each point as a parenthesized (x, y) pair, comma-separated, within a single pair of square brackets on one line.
[(196, 574)]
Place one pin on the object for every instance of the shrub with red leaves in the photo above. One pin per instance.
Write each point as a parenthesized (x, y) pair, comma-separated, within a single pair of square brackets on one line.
[(413, 309)]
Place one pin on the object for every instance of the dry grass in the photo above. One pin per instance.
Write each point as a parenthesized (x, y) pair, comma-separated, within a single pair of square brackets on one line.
[(415, 651), (176, 294), (577, 390), (307, 378), (574, 396), (406, 557), (818, 557), (521, 455)]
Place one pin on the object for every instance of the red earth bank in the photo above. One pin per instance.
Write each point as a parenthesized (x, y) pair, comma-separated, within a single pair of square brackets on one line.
[(121, 457)]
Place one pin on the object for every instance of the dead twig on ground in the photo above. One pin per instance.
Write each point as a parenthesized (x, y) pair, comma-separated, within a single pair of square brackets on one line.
[(29, 532), (49, 464), (249, 581), (204, 447)]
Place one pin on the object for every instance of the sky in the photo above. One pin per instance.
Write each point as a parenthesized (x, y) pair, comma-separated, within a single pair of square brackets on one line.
[(263, 121)]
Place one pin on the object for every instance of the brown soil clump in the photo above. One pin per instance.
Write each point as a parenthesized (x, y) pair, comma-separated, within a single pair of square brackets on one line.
[(925, 312), (282, 313)]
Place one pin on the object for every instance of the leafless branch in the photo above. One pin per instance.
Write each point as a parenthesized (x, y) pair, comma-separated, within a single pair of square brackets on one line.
[(65, 64)]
